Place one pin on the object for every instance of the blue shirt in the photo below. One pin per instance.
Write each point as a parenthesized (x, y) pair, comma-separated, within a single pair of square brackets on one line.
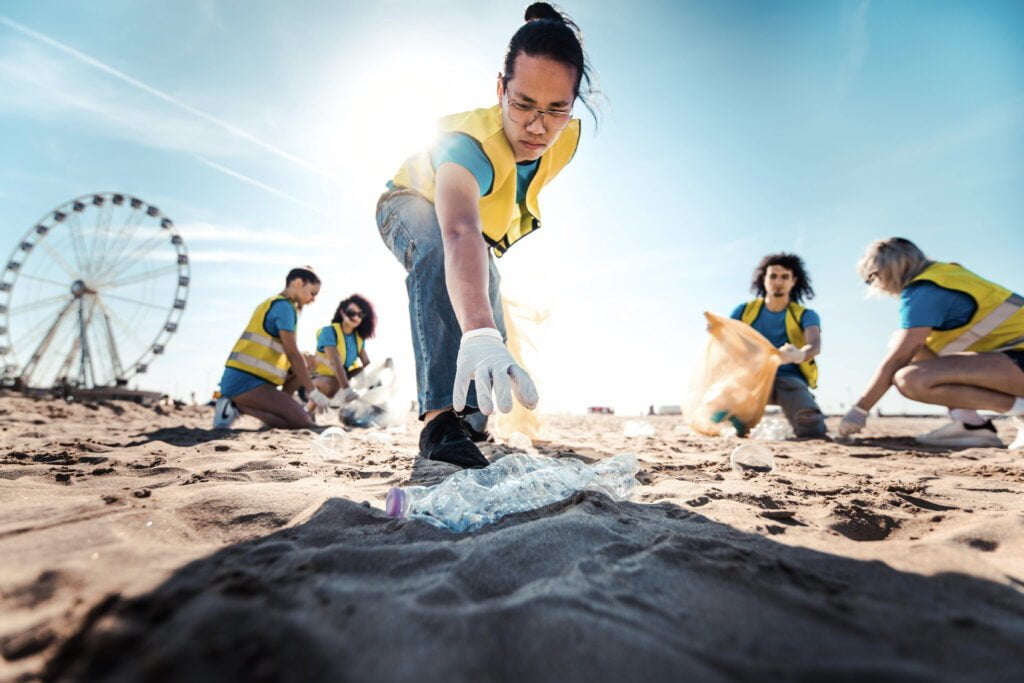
[(773, 326), (461, 149), (926, 304), (281, 316), (328, 337)]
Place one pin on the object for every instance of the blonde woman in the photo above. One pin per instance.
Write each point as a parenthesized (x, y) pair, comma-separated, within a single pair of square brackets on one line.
[(960, 345)]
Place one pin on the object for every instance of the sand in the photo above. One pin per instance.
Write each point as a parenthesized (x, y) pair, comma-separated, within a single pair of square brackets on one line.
[(137, 545)]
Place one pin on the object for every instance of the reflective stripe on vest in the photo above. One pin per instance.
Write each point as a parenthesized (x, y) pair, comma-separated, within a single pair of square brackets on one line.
[(246, 359), (263, 339), (986, 326), (997, 323), (258, 353)]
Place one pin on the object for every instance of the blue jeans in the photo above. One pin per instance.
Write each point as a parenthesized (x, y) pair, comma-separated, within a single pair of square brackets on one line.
[(792, 394), (408, 225)]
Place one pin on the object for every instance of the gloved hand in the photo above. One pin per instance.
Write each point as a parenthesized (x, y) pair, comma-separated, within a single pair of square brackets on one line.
[(349, 395), (321, 401), (853, 421), (484, 359), (791, 354)]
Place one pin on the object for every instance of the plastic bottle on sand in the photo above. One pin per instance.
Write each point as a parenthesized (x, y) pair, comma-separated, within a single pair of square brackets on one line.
[(330, 444), (752, 456), (470, 499)]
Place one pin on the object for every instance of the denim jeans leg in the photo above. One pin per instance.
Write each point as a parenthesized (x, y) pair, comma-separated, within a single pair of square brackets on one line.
[(408, 225), (798, 405)]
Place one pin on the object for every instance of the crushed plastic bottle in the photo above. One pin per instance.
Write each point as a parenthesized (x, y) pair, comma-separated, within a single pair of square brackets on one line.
[(637, 428), (376, 405), (330, 444), (772, 429), (521, 443), (752, 456), (470, 499)]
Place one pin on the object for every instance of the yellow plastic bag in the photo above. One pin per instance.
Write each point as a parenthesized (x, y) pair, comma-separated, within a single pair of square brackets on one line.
[(733, 383), (520, 419)]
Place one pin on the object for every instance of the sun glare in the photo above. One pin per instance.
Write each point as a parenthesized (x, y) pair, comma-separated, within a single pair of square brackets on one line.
[(391, 108)]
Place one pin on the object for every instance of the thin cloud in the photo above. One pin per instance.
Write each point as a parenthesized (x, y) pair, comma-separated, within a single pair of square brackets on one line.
[(855, 42), (201, 232), (256, 183), (167, 98)]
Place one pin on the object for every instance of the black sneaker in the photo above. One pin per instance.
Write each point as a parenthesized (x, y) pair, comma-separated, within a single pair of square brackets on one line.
[(475, 425), (444, 439)]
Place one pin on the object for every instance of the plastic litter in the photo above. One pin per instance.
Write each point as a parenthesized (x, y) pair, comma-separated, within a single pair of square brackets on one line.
[(520, 442), (330, 444), (772, 429), (470, 499), (734, 379), (376, 405), (637, 428), (752, 456)]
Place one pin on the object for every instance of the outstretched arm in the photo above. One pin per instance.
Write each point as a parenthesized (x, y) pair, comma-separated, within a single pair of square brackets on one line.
[(457, 199), (904, 346)]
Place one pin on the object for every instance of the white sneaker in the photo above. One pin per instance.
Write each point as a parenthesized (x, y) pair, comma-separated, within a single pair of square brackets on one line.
[(1018, 443), (224, 413), (958, 434)]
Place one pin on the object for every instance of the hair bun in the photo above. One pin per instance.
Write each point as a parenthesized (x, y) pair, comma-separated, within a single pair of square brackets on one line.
[(542, 10)]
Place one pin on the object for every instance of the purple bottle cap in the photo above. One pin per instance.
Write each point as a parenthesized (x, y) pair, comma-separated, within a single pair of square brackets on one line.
[(394, 505)]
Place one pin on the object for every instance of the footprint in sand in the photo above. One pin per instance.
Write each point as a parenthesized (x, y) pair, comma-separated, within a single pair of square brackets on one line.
[(861, 524)]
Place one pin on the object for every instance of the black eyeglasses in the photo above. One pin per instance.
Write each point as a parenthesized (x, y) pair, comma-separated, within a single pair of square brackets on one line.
[(353, 313), (525, 115)]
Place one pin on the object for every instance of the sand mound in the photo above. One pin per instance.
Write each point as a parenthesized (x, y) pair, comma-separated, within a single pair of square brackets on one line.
[(145, 547)]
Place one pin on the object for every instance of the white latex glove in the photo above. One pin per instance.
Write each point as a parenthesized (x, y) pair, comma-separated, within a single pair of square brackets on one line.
[(853, 421), (791, 354), (349, 395), (484, 359), (321, 401)]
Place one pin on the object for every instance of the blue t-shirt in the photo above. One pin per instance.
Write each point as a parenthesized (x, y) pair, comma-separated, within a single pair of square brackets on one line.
[(773, 326), (461, 149), (281, 316), (926, 304), (328, 337)]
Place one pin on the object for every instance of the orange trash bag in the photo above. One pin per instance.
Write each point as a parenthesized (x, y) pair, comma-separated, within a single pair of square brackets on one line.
[(521, 419), (733, 381)]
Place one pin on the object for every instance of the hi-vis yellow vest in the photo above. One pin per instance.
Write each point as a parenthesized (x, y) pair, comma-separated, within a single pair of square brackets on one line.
[(503, 220), (258, 353), (323, 363), (794, 333), (998, 323)]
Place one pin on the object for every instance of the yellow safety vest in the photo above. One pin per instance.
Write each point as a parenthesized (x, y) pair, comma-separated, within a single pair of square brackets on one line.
[(503, 221), (997, 324), (795, 334), (259, 353), (323, 363)]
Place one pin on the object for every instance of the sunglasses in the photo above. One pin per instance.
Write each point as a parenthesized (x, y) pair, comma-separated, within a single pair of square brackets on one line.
[(353, 313)]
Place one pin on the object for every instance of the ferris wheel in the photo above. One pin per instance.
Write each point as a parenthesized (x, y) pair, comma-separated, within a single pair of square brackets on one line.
[(91, 294)]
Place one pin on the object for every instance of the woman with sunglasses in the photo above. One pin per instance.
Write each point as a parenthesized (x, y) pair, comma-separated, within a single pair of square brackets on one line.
[(475, 190), (340, 347), (961, 345)]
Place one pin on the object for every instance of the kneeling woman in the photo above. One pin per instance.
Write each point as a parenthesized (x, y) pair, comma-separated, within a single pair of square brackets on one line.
[(341, 347), (961, 345), (261, 359)]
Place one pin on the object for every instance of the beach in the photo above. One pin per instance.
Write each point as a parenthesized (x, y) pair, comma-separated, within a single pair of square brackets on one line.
[(137, 544)]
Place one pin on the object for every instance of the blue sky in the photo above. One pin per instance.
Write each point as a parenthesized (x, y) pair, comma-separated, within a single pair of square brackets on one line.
[(729, 130)]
